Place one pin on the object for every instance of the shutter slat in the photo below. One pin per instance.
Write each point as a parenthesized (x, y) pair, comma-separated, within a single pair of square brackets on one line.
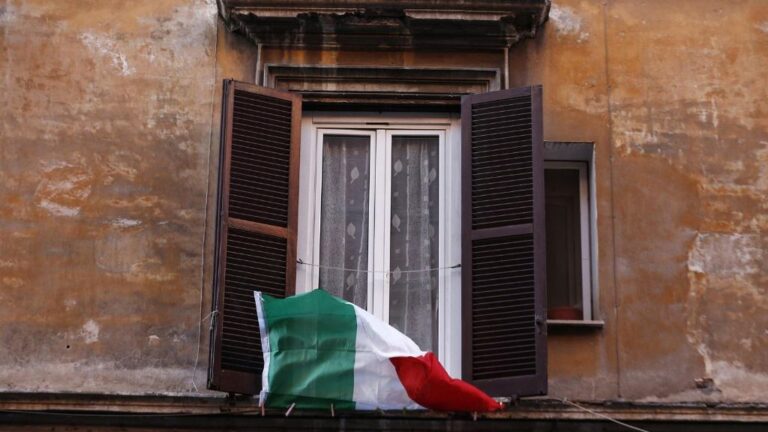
[(495, 200), (263, 104), (258, 183), (491, 108), (495, 299), (255, 271), (247, 177), (256, 116), (278, 161), (502, 271), (257, 167), (512, 142), (509, 131), (261, 132)]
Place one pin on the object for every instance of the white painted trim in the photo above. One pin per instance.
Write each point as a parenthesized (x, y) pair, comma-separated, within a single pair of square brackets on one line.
[(451, 340), (381, 241), (593, 236), (306, 223), (375, 120), (584, 237)]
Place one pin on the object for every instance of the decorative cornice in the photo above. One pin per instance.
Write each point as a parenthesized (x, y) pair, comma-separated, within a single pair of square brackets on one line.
[(380, 24), (381, 85)]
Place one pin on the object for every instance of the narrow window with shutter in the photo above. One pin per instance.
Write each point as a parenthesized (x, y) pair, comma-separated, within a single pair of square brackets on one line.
[(257, 221), (503, 244)]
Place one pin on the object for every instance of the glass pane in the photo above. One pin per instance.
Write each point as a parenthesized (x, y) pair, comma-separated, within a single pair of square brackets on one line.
[(563, 227), (344, 217), (414, 237)]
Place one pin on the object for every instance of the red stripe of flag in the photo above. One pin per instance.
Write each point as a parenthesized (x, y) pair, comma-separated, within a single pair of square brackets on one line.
[(430, 386)]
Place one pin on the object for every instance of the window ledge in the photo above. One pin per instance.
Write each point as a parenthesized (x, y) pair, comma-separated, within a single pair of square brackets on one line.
[(592, 324)]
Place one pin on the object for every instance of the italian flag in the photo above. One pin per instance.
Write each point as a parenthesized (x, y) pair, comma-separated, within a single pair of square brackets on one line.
[(322, 352)]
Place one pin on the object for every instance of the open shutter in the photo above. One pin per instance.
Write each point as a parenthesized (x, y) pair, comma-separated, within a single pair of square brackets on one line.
[(257, 220), (503, 255)]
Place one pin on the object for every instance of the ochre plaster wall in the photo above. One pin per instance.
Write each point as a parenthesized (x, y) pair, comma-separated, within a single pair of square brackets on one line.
[(674, 96), (104, 168), (109, 160)]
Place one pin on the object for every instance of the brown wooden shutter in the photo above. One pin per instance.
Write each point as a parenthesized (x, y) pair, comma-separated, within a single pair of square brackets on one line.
[(503, 256), (257, 219)]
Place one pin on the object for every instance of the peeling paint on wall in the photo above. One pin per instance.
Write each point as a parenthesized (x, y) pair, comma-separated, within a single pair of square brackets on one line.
[(98, 258), (125, 222), (726, 305), (726, 255), (64, 188), (567, 22), (7, 13), (105, 46), (90, 332)]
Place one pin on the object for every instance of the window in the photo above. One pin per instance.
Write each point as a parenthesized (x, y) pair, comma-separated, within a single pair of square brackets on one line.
[(569, 226), (364, 205), (379, 225)]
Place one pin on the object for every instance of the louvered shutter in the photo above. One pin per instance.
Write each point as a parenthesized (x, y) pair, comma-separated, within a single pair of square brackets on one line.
[(503, 256), (257, 219)]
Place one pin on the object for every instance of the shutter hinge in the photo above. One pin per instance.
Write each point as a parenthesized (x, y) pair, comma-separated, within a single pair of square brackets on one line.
[(214, 314), (541, 324)]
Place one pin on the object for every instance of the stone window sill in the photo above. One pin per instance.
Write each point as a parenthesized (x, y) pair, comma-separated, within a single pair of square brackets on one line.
[(576, 324)]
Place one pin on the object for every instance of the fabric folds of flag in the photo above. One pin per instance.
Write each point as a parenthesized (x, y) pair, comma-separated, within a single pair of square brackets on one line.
[(320, 351)]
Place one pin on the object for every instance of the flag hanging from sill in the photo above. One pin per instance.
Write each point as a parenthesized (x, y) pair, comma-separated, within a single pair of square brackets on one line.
[(320, 350)]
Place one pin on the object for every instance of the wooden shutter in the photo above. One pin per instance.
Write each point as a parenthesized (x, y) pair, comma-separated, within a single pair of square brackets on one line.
[(503, 256), (257, 219)]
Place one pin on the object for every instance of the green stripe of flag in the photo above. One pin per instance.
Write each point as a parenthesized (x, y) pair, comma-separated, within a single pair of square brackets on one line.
[(312, 342)]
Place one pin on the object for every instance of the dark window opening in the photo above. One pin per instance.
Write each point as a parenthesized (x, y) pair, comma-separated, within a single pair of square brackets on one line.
[(563, 198)]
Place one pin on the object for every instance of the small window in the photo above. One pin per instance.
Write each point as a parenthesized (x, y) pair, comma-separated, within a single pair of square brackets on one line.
[(568, 258), (570, 219)]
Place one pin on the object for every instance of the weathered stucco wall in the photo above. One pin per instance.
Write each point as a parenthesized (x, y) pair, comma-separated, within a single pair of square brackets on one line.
[(106, 134), (674, 96), (108, 168)]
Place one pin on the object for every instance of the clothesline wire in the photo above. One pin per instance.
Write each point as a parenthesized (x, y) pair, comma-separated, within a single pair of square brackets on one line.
[(204, 245), (611, 419), (428, 269)]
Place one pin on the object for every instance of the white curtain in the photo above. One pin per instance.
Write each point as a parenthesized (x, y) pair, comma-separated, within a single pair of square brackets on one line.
[(344, 217), (414, 244)]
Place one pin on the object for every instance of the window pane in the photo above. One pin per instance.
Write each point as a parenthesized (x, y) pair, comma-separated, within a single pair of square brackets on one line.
[(563, 243), (344, 217), (414, 235)]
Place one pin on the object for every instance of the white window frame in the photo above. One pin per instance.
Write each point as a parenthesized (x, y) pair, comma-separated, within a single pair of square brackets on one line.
[(382, 128), (315, 239), (585, 234)]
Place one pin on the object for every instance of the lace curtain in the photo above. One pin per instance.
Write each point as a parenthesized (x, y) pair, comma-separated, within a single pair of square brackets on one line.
[(414, 229), (414, 239), (344, 217)]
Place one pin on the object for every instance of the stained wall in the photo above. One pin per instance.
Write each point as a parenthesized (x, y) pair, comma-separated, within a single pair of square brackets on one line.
[(108, 164), (104, 172), (673, 95)]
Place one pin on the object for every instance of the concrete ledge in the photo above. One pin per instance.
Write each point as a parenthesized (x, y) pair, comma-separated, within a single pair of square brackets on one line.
[(535, 409)]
